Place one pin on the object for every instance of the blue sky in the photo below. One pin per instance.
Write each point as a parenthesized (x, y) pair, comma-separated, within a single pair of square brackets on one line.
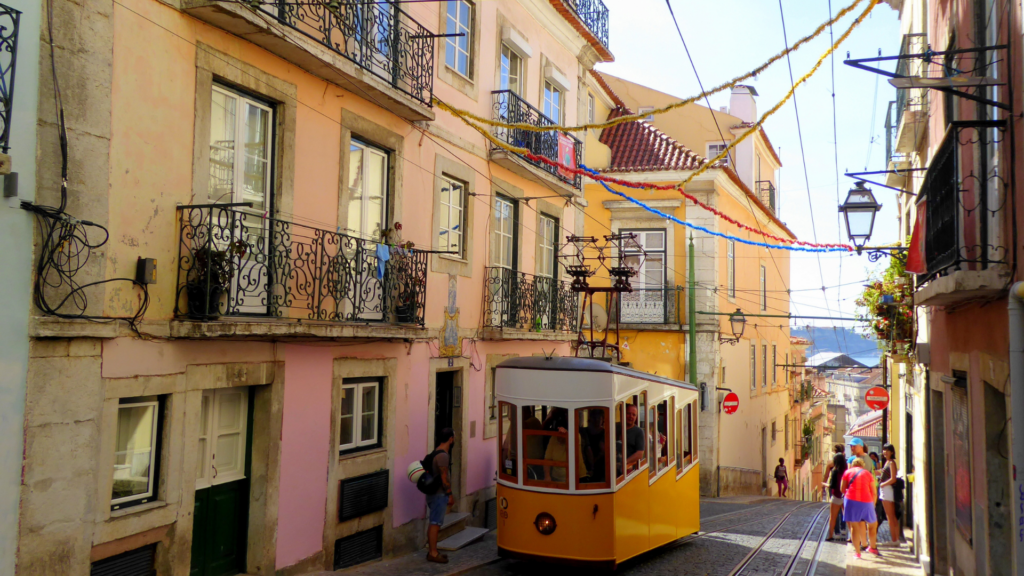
[(729, 37)]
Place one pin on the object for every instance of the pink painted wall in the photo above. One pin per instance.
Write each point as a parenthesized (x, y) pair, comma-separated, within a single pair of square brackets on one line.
[(410, 412), (305, 446)]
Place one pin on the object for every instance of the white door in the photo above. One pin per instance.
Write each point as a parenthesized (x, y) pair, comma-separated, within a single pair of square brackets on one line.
[(646, 304), (362, 295), (222, 429), (241, 133)]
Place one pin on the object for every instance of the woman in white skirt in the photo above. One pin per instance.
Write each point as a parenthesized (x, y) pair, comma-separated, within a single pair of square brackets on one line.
[(886, 481)]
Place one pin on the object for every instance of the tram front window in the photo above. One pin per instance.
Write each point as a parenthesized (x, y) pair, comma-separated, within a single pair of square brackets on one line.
[(546, 446), (509, 467), (633, 432), (592, 445)]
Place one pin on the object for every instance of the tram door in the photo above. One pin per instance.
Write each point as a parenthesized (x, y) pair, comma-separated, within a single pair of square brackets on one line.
[(448, 414)]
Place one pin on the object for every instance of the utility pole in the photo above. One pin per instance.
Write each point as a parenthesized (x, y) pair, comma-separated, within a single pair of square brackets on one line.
[(692, 313)]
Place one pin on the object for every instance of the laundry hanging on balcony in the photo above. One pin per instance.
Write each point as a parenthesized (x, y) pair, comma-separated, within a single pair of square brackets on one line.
[(383, 255), (916, 262)]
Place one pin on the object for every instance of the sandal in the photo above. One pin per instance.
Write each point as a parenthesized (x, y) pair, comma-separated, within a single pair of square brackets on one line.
[(440, 558)]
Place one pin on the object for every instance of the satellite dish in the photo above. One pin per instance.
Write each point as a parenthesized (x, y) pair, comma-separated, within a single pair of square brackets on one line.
[(600, 318)]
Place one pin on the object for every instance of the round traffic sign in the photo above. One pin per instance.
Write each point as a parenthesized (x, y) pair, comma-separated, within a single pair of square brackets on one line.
[(877, 398), (731, 403)]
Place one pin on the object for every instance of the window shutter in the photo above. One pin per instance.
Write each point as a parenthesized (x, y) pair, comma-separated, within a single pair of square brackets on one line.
[(358, 548), (363, 494), (138, 562)]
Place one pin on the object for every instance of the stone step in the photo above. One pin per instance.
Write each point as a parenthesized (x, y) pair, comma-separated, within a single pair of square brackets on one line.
[(464, 538), (454, 522)]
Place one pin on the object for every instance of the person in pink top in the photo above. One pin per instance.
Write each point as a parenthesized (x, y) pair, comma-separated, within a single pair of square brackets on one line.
[(859, 498)]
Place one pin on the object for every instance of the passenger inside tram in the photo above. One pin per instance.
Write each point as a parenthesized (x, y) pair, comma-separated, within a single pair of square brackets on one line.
[(532, 443), (557, 449), (634, 439)]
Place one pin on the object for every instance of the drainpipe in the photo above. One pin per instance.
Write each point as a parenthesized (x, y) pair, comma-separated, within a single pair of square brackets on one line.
[(1015, 314)]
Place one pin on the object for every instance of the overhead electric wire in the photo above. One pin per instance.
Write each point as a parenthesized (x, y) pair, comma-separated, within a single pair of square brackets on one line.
[(803, 156)]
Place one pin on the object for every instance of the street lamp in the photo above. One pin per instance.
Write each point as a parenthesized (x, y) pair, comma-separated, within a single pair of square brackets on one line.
[(859, 211), (737, 322)]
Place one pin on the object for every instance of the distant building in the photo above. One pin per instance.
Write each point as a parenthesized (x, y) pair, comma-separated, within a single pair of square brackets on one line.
[(823, 360)]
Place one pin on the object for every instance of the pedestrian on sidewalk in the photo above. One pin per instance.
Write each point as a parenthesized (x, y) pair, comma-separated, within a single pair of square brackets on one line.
[(439, 501), (859, 497), (834, 473), (887, 480), (782, 478)]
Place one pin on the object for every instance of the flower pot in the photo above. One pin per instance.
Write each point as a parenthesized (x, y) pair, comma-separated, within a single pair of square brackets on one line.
[(203, 301), (406, 313)]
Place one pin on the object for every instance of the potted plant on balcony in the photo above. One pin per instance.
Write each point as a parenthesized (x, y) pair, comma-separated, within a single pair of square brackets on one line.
[(888, 305), (210, 277)]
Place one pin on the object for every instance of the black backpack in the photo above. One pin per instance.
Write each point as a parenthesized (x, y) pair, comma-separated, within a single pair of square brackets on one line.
[(427, 483)]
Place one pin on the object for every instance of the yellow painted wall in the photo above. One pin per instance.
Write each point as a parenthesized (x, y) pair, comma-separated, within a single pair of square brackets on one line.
[(151, 146)]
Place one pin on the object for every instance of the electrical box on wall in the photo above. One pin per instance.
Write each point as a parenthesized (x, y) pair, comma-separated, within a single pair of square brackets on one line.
[(145, 271)]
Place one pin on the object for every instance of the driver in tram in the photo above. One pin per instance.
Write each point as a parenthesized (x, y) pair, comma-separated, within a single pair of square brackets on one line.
[(634, 439)]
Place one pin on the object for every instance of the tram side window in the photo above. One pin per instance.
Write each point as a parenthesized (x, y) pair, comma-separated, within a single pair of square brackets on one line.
[(547, 447), (509, 469), (620, 442), (652, 435), (592, 436), (670, 440), (679, 439), (660, 437), (687, 435), (694, 429), (636, 452)]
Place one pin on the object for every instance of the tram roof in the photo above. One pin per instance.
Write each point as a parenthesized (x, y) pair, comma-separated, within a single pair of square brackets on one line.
[(558, 363)]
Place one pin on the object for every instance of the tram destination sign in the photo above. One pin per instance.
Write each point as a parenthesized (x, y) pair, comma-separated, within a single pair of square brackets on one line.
[(877, 398), (731, 403)]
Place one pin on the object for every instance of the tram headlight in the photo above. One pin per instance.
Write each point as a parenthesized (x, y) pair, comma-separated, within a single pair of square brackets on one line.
[(545, 523)]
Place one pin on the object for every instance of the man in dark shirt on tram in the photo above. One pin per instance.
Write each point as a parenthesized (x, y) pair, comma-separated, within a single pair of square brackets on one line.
[(634, 438)]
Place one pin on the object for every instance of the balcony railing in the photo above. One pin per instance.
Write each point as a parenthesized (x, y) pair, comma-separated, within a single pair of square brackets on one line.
[(651, 305), (236, 263), (594, 14), (10, 20), (962, 229), (912, 44), (766, 193), (557, 146), (513, 299), (379, 37)]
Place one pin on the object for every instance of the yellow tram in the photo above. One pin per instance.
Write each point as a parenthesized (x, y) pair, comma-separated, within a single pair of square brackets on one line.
[(573, 489)]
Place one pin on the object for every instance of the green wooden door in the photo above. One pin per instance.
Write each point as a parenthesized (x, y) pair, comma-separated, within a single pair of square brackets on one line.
[(221, 518)]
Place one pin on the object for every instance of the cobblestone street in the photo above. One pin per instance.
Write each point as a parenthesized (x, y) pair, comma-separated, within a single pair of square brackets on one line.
[(751, 536)]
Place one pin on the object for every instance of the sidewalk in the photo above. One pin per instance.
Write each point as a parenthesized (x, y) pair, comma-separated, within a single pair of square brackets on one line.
[(460, 561), (894, 561)]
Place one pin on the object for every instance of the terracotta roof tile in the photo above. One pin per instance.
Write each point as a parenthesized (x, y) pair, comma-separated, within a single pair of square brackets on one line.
[(640, 147)]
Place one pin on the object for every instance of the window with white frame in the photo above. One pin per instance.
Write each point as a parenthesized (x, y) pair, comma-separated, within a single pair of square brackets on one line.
[(753, 365), (716, 149), (223, 421), (241, 132), (503, 234), (731, 268), (646, 110), (774, 367), (763, 287), (552, 102), (451, 232), (591, 108), (136, 455), (361, 416), (368, 190), (547, 238), (647, 253), (764, 365), (459, 21), (511, 74)]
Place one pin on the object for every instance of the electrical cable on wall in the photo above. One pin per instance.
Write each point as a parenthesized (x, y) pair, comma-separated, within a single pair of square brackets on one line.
[(65, 246)]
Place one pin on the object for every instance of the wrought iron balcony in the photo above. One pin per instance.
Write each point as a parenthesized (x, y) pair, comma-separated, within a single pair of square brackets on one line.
[(964, 210), (594, 14), (10, 20), (766, 193), (236, 263), (557, 146), (513, 299), (651, 305)]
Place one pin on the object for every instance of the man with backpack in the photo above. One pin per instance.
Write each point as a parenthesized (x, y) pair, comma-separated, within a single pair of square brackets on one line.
[(438, 490)]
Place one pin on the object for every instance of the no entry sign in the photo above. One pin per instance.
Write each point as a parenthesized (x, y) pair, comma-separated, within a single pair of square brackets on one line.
[(731, 403), (877, 398)]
